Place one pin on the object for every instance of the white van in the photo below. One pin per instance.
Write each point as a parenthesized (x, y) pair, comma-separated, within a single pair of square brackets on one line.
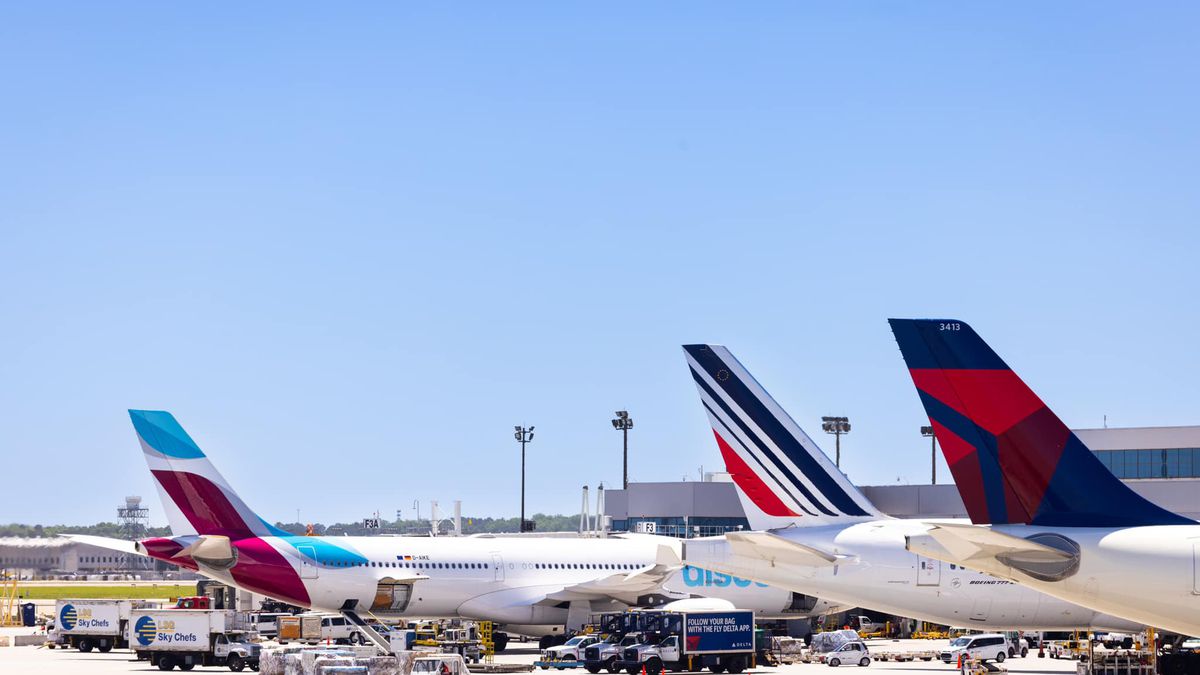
[(340, 630), (982, 647)]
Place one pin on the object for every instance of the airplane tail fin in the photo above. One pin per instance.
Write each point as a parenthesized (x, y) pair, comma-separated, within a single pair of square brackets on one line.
[(1013, 459), (197, 499), (783, 478)]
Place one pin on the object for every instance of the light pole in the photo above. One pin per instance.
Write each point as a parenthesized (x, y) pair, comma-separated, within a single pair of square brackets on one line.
[(836, 426), (928, 431), (523, 436), (623, 423)]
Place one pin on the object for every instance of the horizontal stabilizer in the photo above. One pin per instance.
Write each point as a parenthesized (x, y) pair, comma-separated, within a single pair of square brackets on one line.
[(122, 545), (1053, 558), (778, 550)]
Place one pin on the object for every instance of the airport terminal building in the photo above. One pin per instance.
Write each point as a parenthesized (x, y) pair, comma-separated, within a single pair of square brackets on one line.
[(1160, 463)]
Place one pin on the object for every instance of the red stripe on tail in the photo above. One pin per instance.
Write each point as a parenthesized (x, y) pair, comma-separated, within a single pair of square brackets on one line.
[(745, 478)]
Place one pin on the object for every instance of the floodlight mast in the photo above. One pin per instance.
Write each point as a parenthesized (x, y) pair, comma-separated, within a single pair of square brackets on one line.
[(928, 431), (836, 426), (623, 423), (523, 436)]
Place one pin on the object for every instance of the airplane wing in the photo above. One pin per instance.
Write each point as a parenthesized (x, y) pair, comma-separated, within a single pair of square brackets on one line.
[(624, 587), (779, 550)]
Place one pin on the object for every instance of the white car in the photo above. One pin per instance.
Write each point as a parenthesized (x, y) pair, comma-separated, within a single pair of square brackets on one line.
[(982, 647), (854, 652)]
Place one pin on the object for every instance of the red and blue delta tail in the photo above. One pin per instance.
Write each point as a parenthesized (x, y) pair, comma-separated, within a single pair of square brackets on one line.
[(783, 478), (1013, 460)]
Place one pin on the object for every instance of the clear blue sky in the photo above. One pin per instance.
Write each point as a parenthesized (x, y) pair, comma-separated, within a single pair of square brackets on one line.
[(350, 248)]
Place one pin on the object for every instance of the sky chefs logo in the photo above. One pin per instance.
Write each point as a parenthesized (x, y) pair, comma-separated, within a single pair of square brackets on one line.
[(81, 618), (694, 577), (68, 618), (145, 629)]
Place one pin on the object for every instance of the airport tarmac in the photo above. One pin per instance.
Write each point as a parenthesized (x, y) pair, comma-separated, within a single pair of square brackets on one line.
[(21, 660)]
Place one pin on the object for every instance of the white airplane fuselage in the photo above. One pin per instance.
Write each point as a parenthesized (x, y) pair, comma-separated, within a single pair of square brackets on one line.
[(876, 571), (1148, 574), (502, 579)]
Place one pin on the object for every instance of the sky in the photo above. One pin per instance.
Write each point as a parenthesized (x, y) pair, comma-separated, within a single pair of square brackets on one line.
[(350, 247)]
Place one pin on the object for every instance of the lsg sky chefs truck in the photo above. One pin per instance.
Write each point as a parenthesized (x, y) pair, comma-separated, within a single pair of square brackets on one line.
[(191, 637), (93, 624), (722, 641)]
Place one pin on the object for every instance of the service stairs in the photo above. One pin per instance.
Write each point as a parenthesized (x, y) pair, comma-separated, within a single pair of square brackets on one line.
[(381, 643)]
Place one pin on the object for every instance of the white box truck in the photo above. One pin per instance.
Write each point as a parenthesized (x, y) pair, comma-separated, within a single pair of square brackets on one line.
[(94, 624), (191, 637)]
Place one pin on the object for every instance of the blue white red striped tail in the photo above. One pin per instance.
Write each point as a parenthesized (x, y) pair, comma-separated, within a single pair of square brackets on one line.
[(783, 478), (1013, 459)]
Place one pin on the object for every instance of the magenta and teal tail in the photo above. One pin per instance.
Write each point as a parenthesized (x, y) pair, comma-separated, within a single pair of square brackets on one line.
[(196, 497), (1013, 459)]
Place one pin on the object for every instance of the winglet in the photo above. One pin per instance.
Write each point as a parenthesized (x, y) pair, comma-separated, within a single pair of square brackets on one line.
[(1013, 459)]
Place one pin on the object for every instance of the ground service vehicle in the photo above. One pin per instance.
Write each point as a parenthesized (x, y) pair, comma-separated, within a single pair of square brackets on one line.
[(440, 664), (191, 637), (854, 651), (94, 624), (194, 602), (607, 653), (266, 624), (722, 641), (622, 630), (982, 647), (569, 654)]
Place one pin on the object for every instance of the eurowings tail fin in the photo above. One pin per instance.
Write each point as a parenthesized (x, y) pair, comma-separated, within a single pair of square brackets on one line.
[(197, 499), (1013, 459), (783, 478)]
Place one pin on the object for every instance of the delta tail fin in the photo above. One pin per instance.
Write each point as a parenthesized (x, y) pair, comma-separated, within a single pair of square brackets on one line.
[(1014, 460), (783, 478), (197, 499)]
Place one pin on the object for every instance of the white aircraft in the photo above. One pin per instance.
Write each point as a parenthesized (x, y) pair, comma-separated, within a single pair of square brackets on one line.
[(1061, 522), (818, 534), (529, 585)]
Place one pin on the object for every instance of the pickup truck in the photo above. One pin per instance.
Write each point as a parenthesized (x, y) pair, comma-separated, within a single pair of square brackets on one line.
[(570, 654), (605, 654), (722, 641)]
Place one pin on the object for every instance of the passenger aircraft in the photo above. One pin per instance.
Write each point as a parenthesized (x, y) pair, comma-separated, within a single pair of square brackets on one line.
[(530, 585), (1061, 522), (824, 537)]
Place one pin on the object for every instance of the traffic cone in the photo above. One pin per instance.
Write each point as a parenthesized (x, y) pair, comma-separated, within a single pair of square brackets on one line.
[(643, 669), (1041, 649)]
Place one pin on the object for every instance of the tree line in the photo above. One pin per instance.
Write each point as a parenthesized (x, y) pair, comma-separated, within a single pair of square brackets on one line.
[(470, 524)]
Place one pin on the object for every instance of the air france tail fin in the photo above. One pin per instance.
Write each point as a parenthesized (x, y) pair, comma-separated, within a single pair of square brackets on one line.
[(197, 499), (1014, 460), (783, 478)]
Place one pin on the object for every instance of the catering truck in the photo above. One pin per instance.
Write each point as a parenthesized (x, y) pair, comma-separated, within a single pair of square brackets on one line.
[(94, 624), (722, 641), (191, 637)]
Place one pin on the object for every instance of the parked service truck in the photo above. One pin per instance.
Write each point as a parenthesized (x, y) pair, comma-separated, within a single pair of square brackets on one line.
[(722, 641), (621, 630), (94, 624), (191, 637)]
